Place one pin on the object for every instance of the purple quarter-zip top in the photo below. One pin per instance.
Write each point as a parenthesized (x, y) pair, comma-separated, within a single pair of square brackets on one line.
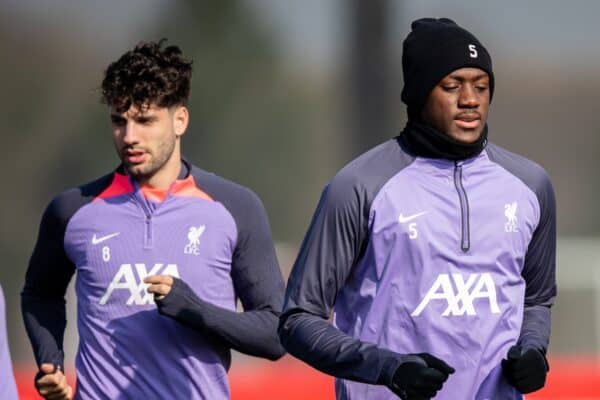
[(210, 233), (424, 255)]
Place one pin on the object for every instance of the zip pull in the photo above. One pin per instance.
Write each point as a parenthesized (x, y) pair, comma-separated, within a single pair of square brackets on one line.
[(148, 232)]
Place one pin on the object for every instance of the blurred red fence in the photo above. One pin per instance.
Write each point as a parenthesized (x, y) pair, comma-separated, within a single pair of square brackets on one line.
[(569, 379)]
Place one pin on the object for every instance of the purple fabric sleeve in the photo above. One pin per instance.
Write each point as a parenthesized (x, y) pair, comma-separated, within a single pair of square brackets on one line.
[(255, 273)]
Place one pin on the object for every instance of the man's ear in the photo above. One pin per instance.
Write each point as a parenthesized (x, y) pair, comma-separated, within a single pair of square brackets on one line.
[(181, 118)]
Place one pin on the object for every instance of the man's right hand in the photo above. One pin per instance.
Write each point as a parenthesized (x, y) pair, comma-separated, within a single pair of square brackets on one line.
[(420, 377), (51, 383)]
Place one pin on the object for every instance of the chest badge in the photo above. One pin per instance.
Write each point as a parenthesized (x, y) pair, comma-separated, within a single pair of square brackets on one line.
[(510, 212), (193, 236)]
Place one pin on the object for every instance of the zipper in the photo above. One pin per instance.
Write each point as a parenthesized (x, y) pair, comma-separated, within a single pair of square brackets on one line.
[(148, 227), (148, 208), (148, 234), (465, 241)]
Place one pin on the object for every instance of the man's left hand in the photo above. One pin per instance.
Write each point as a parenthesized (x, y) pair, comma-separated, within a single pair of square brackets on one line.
[(525, 370)]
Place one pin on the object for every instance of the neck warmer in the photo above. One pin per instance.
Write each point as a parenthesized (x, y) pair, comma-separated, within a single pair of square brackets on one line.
[(424, 141)]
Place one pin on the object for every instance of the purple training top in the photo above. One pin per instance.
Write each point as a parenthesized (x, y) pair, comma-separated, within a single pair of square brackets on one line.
[(412, 255), (215, 239)]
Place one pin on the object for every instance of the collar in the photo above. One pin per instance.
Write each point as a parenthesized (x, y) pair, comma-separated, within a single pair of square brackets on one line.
[(184, 185)]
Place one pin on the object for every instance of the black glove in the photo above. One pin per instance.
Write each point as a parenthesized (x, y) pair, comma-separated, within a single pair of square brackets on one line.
[(420, 377), (525, 370), (180, 299)]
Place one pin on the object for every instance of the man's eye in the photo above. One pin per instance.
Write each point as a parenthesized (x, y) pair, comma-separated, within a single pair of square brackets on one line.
[(449, 88), (118, 121)]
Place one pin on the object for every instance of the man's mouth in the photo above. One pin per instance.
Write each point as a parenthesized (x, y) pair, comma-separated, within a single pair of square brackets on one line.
[(468, 120), (132, 156)]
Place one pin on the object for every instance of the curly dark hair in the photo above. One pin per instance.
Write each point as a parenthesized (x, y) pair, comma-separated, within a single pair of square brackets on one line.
[(147, 75)]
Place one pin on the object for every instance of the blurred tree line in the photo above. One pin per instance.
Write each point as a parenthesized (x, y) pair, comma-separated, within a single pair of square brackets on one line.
[(278, 131), (250, 122)]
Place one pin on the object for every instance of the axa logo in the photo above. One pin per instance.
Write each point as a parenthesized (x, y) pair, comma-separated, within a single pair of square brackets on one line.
[(459, 294), (130, 277), (510, 212), (194, 240)]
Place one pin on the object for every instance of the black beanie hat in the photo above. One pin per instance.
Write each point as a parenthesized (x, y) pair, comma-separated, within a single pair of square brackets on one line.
[(433, 49)]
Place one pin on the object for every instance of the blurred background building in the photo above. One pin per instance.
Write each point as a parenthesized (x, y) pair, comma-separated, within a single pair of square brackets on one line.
[(284, 94)]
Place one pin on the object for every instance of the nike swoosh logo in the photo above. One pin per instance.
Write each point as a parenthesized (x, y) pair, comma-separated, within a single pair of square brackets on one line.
[(402, 219), (96, 240)]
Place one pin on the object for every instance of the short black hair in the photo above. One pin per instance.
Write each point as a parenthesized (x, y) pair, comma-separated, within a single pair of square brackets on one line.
[(148, 74)]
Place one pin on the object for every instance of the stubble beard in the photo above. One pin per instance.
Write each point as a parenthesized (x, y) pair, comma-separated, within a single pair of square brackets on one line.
[(158, 159)]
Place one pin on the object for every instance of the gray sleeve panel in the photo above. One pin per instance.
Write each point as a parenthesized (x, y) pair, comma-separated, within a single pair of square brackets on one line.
[(335, 242), (49, 273), (539, 270), (255, 273), (535, 331)]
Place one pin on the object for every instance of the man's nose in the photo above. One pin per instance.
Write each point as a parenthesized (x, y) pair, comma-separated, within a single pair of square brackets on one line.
[(469, 97), (130, 134)]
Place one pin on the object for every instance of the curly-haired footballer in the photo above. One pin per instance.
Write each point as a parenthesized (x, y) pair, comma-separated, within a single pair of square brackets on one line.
[(162, 250)]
